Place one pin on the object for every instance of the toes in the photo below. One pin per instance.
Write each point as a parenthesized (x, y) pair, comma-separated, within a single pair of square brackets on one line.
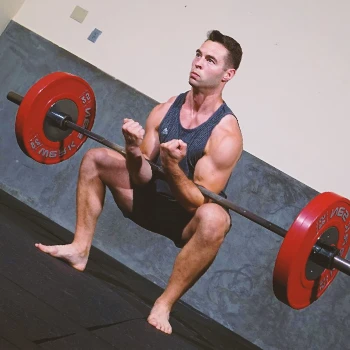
[(40, 246), (47, 249), (163, 325), (165, 329), (153, 322)]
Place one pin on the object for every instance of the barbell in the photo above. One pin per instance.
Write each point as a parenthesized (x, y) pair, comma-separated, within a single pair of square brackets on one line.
[(55, 118)]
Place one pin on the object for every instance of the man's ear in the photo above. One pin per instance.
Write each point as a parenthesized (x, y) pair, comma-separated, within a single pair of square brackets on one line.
[(229, 74)]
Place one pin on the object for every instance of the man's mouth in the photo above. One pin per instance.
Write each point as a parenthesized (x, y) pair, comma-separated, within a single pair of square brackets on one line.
[(195, 74)]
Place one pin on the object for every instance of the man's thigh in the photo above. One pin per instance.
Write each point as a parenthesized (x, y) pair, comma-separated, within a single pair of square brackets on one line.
[(158, 213), (114, 174)]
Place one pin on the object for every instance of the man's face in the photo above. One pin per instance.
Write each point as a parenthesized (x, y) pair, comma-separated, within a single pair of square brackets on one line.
[(209, 66)]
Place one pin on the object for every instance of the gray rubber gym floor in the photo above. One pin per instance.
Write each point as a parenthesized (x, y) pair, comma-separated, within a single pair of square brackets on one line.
[(46, 304)]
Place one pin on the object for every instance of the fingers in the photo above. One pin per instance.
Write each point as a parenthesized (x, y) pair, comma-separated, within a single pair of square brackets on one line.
[(133, 132), (131, 127), (182, 145), (174, 145), (172, 152)]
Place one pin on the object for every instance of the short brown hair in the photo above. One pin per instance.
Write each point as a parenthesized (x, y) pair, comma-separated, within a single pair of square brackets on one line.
[(234, 56)]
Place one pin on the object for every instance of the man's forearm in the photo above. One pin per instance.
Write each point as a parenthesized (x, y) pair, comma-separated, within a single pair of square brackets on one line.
[(139, 169), (184, 190)]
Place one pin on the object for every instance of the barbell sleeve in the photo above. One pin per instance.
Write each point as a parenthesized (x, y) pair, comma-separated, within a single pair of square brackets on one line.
[(14, 97), (341, 264)]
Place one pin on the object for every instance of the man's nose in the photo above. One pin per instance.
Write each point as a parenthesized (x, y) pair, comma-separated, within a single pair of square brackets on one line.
[(198, 62)]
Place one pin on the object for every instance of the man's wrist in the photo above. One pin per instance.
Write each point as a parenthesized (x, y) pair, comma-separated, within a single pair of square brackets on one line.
[(172, 168), (133, 151)]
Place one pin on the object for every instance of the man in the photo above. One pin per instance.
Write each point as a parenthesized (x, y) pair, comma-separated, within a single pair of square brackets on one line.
[(197, 140)]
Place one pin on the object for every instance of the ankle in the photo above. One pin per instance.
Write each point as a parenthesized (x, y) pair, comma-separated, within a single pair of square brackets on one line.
[(164, 303), (83, 249)]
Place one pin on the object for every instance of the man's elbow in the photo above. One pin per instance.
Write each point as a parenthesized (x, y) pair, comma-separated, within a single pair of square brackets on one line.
[(192, 208)]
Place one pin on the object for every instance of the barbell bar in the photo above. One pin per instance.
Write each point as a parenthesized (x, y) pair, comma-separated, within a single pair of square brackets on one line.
[(55, 118)]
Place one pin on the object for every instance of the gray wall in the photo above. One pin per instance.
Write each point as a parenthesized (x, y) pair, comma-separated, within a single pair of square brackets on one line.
[(237, 289)]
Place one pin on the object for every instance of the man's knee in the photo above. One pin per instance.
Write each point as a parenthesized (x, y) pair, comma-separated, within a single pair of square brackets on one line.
[(214, 222), (100, 158)]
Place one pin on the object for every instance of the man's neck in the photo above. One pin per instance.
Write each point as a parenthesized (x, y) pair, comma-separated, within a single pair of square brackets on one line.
[(204, 102)]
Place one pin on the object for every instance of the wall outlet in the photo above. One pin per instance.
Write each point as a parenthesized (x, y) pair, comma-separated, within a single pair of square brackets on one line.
[(94, 35), (79, 14)]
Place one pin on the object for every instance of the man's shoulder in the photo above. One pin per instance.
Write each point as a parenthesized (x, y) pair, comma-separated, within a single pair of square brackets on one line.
[(162, 108), (167, 104), (159, 112), (229, 124), (228, 128), (226, 138)]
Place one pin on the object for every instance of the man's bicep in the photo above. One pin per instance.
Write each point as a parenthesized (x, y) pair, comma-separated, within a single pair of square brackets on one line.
[(214, 169), (150, 144), (209, 176)]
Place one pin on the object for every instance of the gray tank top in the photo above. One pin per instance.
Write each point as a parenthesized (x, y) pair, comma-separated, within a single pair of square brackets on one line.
[(196, 138)]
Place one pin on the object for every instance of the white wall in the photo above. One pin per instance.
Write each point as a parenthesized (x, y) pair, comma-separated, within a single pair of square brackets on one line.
[(8, 8), (291, 94)]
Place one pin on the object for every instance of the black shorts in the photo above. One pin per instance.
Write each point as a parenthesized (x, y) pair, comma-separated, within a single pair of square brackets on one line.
[(159, 213)]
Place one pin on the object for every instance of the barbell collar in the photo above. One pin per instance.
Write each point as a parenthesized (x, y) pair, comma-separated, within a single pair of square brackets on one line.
[(323, 254), (60, 119)]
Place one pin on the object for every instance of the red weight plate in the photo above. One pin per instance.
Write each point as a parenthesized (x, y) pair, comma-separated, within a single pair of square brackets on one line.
[(31, 116), (290, 284)]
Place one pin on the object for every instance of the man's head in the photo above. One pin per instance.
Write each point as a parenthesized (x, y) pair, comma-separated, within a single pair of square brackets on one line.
[(216, 62), (234, 50)]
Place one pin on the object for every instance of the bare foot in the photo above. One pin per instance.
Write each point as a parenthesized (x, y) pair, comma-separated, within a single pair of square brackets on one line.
[(68, 252), (159, 317)]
